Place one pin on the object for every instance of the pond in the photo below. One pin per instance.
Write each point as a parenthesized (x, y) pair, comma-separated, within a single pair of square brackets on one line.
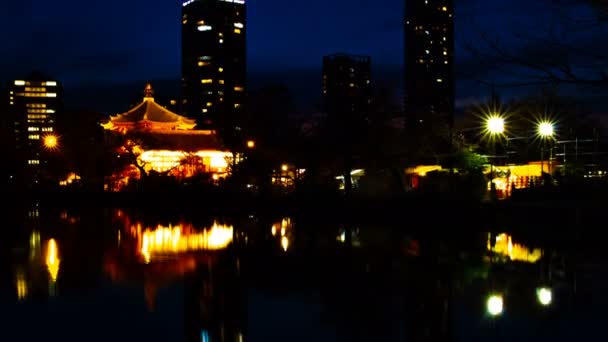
[(125, 275)]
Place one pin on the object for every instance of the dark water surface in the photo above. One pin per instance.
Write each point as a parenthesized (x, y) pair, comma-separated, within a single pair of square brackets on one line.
[(119, 275)]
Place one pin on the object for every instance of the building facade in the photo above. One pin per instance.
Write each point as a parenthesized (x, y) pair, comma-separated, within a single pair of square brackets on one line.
[(347, 90), (429, 60), (33, 106), (214, 61)]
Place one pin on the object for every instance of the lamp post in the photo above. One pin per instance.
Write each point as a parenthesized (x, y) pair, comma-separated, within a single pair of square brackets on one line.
[(495, 126), (546, 130)]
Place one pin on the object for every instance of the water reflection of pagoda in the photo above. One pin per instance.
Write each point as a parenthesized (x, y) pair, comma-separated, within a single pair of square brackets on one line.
[(201, 259)]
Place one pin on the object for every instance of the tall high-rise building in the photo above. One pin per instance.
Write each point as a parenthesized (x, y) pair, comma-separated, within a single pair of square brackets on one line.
[(347, 90), (213, 61), (429, 61), (33, 106)]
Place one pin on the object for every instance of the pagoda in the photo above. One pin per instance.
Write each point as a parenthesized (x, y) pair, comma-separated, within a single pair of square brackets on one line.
[(165, 142), (149, 116)]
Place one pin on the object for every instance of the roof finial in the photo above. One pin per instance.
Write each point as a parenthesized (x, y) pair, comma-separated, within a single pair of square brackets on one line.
[(148, 92)]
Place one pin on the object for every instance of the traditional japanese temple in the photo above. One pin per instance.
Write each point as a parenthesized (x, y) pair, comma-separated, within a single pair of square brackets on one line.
[(167, 142)]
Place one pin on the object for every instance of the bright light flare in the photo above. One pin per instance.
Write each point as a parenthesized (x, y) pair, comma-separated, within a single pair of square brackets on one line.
[(50, 141), (546, 129), (495, 125), (495, 305), (284, 167), (250, 144), (544, 296)]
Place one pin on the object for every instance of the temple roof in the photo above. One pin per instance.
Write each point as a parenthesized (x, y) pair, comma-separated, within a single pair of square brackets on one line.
[(150, 115)]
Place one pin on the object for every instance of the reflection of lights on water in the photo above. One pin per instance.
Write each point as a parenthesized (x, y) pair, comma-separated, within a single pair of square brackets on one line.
[(273, 230), (35, 250), (285, 243), (205, 336), (495, 305), (285, 228), (173, 240), (505, 246), (342, 236), (282, 231), (21, 286), (544, 295), (52, 259)]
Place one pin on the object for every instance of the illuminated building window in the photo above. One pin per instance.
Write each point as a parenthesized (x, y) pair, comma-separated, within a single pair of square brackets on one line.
[(238, 89), (445, 53), (445, 62), (221, 99), (34, 137), (204, 28), (33, 162), (185, 21), (47, 129), (19, 83), (221, 81), (221, 41), (444, 8), (237, 105), (439, 80), (237, 31), (51, 94), (209, 104), (201, 63), (201, 22), (205, 110), (220, 34), (220, 69), (205, 58), (33, 129), (238, 25), (207, 81)]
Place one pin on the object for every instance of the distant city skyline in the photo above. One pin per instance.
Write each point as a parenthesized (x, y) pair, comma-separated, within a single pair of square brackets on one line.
[(119, 43)]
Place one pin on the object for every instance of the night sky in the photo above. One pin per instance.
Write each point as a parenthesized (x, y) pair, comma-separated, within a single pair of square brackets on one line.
[(104, 45)]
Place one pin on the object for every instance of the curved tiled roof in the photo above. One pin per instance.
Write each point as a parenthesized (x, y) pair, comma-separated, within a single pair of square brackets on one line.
[(149, 112)]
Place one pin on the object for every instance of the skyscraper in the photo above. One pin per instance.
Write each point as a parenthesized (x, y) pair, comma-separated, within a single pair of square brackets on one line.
[(429, 57), (347, 90), (33, 106), (213, 61)]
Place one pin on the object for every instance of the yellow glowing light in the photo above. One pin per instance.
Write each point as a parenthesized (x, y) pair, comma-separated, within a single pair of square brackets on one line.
[(237, 30), (250, 144), (546, 129), (175, 240), (50, 141), (215, 176), (19, 83), (285, 243), (284, 167), (52, 259), (21, 286), (444, 8), (544, 296), (496, 125), (495, 305), (514, 251), (273, 230)]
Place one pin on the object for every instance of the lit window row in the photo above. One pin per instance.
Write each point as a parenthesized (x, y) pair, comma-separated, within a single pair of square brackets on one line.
[(34, 137), (37, 94), (239, 25), (47, 129), (35, 89), (37, 116), (36, 105), (204, 28), (203, 63), (33, 129), (33, 162), (238, 89), (207, 81), (24, 83)]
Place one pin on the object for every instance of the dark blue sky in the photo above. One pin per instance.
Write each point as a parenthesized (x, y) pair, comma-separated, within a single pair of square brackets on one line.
[(111, 42)]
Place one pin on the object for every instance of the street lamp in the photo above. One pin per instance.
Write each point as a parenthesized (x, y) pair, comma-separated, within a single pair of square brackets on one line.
[(495, 125), (50, 141), (250, 144), (546, 131)]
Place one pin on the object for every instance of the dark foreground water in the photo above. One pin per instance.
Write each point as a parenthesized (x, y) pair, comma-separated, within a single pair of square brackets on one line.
[(116, 275)]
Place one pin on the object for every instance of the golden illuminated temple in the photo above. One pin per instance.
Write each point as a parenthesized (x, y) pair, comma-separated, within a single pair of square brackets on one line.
[(164, 142)]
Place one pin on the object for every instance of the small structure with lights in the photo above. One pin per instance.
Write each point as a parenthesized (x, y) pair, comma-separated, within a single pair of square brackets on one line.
[(164, 142)]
